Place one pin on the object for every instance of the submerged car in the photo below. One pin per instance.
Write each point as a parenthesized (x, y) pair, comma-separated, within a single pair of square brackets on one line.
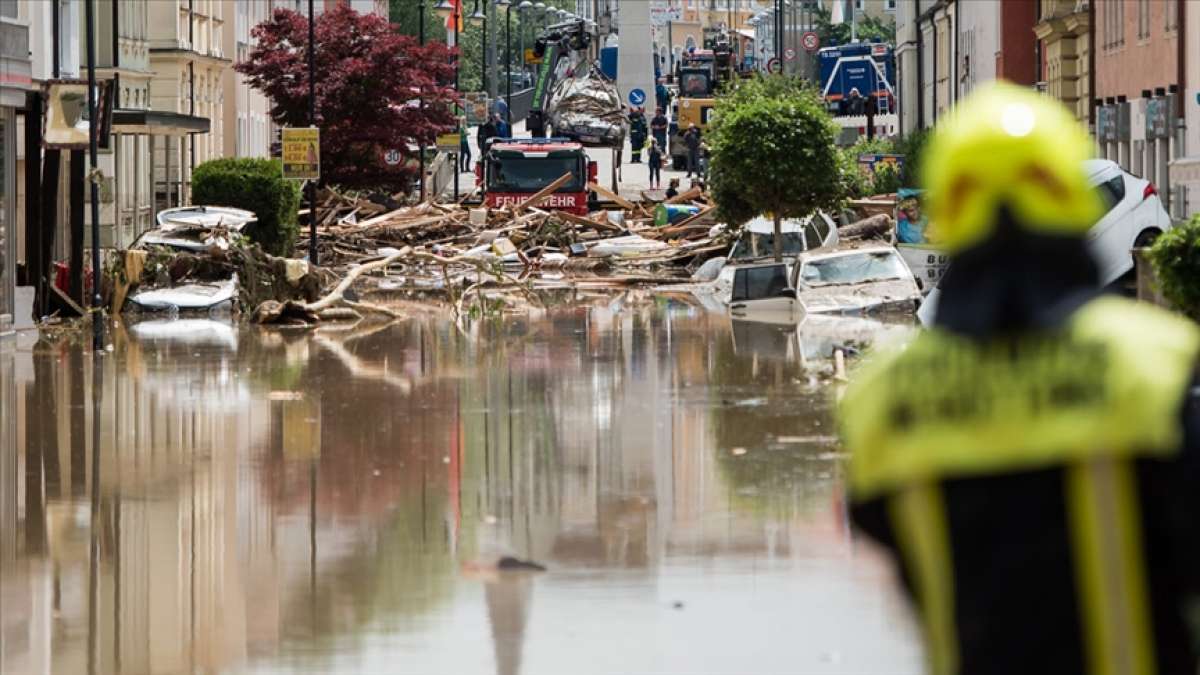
[(856, 281), (866, 280), (757, 240)]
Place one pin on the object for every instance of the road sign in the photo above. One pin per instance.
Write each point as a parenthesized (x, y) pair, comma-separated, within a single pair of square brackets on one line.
[(637, 97), (392, 157), (774, 66), (661, 14), (789, 54), (811, 41), (451, 142), (302, 153)]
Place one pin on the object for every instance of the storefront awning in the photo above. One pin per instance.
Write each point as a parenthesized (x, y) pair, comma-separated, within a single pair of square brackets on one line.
[(158, 123)]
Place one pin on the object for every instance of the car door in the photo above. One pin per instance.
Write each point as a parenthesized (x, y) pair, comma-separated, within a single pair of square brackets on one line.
[(1108, 236)]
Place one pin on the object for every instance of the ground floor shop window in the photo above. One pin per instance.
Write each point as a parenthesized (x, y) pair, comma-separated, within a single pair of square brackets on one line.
[(7, 221)]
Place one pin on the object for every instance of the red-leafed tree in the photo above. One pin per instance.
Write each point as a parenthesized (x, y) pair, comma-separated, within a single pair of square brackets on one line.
[(369, 81)]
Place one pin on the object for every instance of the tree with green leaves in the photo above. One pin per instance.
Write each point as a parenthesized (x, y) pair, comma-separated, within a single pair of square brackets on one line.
[(772, 152), (404, 15), (868, 29)]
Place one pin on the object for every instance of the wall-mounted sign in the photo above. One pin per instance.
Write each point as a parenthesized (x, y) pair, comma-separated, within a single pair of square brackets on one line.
[(1158, 117), (66, 115), (450, 142), (302, 153), (1106, 123)]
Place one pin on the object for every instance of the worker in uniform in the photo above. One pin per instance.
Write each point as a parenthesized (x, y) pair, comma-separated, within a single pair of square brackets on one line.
[(1033, 459), (637, 133)]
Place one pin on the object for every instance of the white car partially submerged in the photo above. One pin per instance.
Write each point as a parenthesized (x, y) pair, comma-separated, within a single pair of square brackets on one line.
[(1134, 217), (867, 280), (799, 235), (864, 280)]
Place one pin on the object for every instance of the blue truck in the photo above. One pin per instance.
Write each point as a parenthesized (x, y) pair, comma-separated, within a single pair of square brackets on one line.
[(868, 67)]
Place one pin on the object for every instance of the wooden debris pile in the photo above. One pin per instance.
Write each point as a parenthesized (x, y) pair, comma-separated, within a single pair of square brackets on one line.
[(352, 230)]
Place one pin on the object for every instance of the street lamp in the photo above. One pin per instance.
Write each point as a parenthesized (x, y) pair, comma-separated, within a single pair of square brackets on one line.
[(479, 18), (312, 122), (444, 8), (421, 40), (522, 13), (505, 6)]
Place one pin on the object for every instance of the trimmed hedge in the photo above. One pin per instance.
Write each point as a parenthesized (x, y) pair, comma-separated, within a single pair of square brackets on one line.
[(255, 185), (1175, 257)]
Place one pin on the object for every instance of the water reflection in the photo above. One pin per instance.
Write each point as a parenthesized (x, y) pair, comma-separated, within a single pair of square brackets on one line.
[(334, 502)]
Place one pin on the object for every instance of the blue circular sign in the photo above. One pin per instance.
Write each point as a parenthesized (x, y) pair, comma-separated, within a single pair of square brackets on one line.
[(637, 97)]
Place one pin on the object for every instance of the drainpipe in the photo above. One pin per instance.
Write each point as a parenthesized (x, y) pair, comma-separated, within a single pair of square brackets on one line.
[(1181, 59), (934, 60), (1179, 139), (56, 38), (953, 20), (191, 97), (920, 75), (1091, 64)]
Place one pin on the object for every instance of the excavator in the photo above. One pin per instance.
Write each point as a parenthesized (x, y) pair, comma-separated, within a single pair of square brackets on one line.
[(701, 72)]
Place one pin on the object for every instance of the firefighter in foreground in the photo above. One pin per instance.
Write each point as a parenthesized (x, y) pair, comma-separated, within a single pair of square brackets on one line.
[(1033, 460)]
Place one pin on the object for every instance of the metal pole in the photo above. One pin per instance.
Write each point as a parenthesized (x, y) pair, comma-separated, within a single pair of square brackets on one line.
[(312, 121), (457, 65), (421, 39), (779, 33), (853, 22), (508, 65), (93, 132)]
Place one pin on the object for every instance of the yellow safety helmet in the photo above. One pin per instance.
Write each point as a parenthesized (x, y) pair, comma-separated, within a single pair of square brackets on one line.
[(1007, 146)]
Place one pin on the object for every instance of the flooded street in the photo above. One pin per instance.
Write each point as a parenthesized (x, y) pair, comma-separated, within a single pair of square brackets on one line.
[(272, 501)]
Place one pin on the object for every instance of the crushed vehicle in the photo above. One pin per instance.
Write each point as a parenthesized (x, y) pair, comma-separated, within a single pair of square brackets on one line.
[(194, 262), (587, 108), (561, 49), (196, 228), (872, 279)]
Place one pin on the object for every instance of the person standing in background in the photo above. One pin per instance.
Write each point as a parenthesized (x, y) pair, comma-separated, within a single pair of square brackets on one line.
[(637, 133), (655, 160), (464, 147), (658, 129)]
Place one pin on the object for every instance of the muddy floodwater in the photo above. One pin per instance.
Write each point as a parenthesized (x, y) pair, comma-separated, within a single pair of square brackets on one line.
[(252, 501)]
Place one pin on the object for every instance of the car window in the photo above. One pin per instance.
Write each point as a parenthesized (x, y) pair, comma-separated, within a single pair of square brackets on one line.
[(853, 269), (753, 283), (1112, 191), (821, 227)]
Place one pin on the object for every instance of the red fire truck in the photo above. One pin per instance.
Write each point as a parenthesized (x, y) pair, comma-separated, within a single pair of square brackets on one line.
[(514, 169)]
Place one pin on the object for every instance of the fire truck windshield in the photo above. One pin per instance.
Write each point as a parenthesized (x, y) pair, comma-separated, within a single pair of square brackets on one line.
[(530, 174)]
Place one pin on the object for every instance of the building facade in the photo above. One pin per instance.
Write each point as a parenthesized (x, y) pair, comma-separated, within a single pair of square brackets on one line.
[(947, 48), (187, 57), (926, 61), (1185, 165), (246, 111), (1138, 75), (15, 81), (1064, 30)]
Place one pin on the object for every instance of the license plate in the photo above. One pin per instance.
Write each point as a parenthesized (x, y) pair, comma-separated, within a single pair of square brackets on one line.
[(589, 139)]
